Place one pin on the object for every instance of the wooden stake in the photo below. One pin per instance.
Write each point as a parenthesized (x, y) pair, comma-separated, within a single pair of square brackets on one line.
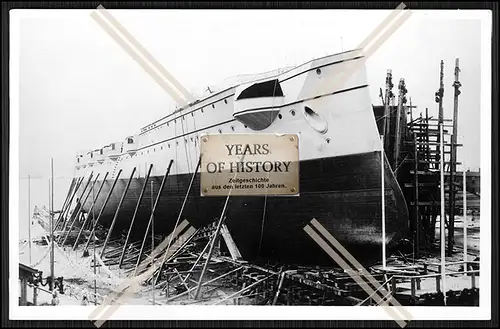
[(29, 215), (52, 225), (465, 220), (382, 165), (443, 243)]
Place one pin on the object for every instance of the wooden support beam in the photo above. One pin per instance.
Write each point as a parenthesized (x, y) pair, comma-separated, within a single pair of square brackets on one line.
[(102, 209), (135, 214), (205, 284), (68, 205), (152, 214), (244, 289), (231, 245), (90, 211), (180, 213), (416, 195), (116, 212), (426, 203), (79, 210), (70, 191), (433, 143), (421, 184), (86, 185), (435, 162)]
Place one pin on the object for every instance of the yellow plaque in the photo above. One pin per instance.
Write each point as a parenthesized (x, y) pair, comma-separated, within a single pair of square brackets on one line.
[(249, 164)]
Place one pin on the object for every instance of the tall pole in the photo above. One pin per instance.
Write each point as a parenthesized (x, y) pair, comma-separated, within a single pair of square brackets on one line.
[(29, 215), (50, 191), (382, 165), (387, 105), (443, 259), (399, 115), (52, 224), (465, 221), (439, 99), (153, 240), (453, 160), (93, 243)]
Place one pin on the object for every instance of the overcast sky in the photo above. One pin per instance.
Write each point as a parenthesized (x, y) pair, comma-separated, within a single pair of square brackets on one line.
[(78, 89)]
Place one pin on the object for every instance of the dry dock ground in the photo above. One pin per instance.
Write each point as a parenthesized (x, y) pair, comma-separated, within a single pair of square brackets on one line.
[(79, 280)]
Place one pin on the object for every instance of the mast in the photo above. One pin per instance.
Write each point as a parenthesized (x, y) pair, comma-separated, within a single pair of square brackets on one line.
[(453, 160), (401, 101), (439, 99), (387, 108)]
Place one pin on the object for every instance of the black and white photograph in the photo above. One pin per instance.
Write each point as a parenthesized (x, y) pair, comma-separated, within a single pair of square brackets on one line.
[(194, 164)]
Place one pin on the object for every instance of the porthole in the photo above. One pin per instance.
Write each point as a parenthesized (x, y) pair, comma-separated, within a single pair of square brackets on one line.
[(162, 147), (213, 106), (168, 145), (292, 112), (220, 131), (167, 124), (280, 116), (232, 128), (201, 110), (176, 142), (246, 126), (315, 120), (318, 71), (225, 101), (328, 140), (191, 139), (192, 114)]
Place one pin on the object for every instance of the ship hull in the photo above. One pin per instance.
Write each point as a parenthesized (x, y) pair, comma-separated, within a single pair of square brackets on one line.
[(342, 193)]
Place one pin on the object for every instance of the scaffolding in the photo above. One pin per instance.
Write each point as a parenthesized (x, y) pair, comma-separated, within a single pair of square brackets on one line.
[(412, 145)]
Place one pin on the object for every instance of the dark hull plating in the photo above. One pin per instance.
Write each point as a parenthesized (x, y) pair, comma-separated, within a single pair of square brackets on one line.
[(342, 193)]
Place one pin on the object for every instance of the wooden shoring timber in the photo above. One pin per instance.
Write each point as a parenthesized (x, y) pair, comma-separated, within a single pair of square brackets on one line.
[(90, 210), (206, 283), (62, 215), (134, 215), (83, 193), (60, 218), (102, 209), (152, 213), (245, 289), (79, 211), (180, 213), (117, 211), (156, 275), (179, 244)]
